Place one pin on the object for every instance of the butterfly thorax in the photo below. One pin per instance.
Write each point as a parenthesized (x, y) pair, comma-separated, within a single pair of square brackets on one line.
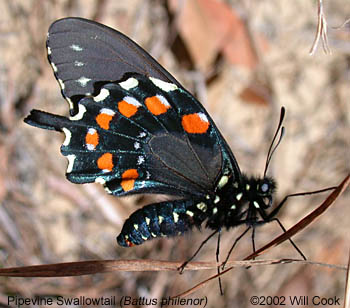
[(240, 202)]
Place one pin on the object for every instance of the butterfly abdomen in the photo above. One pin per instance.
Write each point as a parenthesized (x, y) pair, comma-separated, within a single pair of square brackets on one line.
[(164, 219)]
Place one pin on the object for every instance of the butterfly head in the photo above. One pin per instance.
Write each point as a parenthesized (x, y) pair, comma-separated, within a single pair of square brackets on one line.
[(257, 197), (242, 201), (258, 192)]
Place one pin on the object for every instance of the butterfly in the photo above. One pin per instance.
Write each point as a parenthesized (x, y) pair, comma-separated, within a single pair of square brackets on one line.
[(135, 129)]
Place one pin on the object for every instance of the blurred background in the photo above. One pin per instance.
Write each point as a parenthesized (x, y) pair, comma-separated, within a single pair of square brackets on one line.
[(243, 60)]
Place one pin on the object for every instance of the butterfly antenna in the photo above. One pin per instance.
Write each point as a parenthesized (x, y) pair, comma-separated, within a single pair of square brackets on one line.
[(272, 148)]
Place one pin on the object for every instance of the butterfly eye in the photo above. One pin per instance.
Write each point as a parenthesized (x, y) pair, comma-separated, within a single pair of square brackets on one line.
[(264, 187)]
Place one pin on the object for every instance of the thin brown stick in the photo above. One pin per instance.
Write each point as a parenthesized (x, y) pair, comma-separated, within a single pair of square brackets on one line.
[(347, 286), (270, 262), (106, 266)]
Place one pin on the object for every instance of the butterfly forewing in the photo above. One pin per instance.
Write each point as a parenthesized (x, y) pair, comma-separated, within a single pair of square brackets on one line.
[(85, 54)]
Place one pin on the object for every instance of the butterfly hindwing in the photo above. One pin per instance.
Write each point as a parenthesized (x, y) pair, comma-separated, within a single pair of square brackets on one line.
[(141, 135)]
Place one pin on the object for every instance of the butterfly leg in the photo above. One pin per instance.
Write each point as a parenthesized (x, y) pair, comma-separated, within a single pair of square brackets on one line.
[(217, 261), (182, 267), (271, 216), (290, 240), (280, 205), (233, 246), (253, 240)]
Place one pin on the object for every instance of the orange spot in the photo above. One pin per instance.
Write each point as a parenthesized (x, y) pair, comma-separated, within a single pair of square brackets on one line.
[(196, 123), (126, 109), (105, 162), (103, 120), (91, 139), (130, 244), (128, 179), (156, 106)]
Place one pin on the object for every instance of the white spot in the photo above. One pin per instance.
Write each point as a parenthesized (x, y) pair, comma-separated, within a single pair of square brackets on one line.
[(129, 83), (239, 196), (202, 206), (61, 83), (140, 160), (132, 101), (100, 180), (83, 81), (141, 184), (147, 221), (176, 217), (68, 136), (70, 103), (90, 147), (207, 197), (108, 190), (203, 117), (78, 63), (153, 234), (165, 86), (104, 93), (163, 100), (137, 145), (54, 67), (91, 131), (217, 199), (75, 47), (71, 158), (144, 237), (48, 48), (256, 204), (160, 219), (223, 181), (148, 175), (233, 207), (235, 184), (163, 235), (80, 114), (189, 213), (215, 210), (142, 135), (107, 111), (247, 186), (136, 227)]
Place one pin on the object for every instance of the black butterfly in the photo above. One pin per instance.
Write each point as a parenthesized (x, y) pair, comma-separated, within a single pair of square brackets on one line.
[(135, 129)]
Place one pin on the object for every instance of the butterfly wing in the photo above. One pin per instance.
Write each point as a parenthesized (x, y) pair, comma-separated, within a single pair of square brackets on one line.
[(142, 133)]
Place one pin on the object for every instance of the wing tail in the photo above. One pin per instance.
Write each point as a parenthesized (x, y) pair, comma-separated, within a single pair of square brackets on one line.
[(46, 120)]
